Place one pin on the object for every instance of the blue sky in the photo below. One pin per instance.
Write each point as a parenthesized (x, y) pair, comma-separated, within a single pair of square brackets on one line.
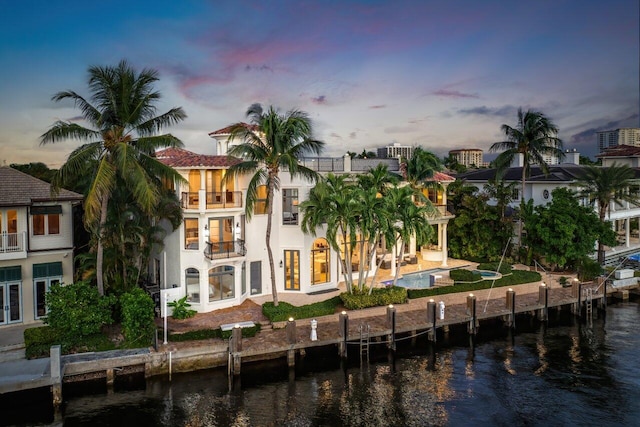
[(441, 74)]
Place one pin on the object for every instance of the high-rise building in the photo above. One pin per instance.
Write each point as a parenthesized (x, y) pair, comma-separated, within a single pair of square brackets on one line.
[(396, 149), (468, 156), (622, 136)]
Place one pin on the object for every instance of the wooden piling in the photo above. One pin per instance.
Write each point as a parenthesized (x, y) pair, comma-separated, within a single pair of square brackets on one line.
[(510, 304), (292, 339), (236, 348), (472, 326), (543, 298), (431, 318), (343, 332), (391, 324)]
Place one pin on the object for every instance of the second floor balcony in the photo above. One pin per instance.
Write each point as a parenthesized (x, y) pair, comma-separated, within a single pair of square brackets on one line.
[(212, 200), (220, 250), (13, 245)]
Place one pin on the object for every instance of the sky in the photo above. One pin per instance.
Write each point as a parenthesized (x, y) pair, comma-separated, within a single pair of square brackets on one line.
[(440, 74)]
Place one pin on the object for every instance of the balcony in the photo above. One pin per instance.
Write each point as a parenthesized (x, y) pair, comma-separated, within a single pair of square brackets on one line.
[(220, 250), (13, 245), (214, 200)]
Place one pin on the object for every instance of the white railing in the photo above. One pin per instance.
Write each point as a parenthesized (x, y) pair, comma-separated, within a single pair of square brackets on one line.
[(12, 242)]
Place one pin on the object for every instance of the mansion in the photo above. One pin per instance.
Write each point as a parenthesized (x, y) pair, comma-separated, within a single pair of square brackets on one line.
[(218, 259)]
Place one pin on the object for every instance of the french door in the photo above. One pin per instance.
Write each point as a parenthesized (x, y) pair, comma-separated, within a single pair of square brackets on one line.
[(10, 303), (292, 270)]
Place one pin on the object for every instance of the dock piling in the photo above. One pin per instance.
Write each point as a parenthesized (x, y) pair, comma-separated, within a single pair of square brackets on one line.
[(472, 326), (511, 306), (292, 338), (343, 332), (431, 318), (391, 324), (543, 298), (56, 375)]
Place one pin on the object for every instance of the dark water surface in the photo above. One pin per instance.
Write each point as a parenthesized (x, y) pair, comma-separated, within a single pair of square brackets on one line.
[(566, 373)]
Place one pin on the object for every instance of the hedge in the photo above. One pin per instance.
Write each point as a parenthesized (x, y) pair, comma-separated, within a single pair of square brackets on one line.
[(285, 310), (493, 266), (378, 297), (517, 277)]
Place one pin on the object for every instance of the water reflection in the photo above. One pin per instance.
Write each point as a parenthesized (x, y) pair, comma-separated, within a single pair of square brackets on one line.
[(564, 374)]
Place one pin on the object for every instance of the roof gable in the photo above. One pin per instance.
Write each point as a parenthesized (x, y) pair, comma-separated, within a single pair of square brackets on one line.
[(181, 158)]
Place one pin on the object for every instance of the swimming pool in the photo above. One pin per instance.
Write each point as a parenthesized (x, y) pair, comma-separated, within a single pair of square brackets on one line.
[(488, 274), (419, 280)]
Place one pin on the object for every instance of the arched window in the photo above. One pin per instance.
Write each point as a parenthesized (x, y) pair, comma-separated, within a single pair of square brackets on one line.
[(320, 257), (192, 282), (221, 283)]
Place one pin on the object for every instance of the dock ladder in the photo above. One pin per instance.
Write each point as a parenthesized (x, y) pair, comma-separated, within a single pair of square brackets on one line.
[(365, 331), (588, 301)]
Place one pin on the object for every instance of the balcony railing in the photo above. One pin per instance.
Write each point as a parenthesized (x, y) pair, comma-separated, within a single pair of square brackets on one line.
[(219, 250), (225, 199), (214, 200), (12, 242)]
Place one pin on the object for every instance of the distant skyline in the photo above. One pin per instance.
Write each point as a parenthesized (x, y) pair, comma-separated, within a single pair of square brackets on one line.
[(443, 75)]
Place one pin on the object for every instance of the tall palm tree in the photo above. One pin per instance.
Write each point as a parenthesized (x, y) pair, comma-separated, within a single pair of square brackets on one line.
[(273, 143), (605, 186), (122, 112), (533, 137)]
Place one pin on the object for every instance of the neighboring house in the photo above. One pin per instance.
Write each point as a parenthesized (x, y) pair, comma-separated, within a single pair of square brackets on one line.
[(539, 188), (36, 244), (218, 259)]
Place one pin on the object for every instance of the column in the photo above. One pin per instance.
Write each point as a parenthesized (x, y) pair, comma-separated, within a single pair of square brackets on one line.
[(443, 245)]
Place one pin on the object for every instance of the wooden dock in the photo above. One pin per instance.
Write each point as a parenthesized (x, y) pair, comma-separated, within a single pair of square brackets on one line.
[(376, 326)]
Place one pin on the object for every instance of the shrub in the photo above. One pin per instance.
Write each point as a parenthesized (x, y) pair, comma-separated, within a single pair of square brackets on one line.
[(200, 334), (181, 309), (77, 311), (462, 275), (246, 332), (38, 341), (493, 266), (378, 297), (285, 310), (137, 311)]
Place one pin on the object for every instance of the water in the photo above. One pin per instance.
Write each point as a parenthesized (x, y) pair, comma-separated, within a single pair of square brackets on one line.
[(566, 373), (417, 280)]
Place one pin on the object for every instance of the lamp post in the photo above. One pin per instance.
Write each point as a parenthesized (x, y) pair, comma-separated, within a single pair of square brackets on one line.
[(166, 296)]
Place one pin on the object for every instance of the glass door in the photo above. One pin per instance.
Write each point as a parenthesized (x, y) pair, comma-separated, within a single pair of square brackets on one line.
[(221, 235), (10, 302), (42, 286), (292, 270)]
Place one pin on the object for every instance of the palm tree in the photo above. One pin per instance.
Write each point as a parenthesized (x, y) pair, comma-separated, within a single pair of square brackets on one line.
[(274, 142), (407, 219), (605, 186), (122, 142), (533, 137)]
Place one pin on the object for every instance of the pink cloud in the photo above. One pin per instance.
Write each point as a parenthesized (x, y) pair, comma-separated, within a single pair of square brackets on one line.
[(454, 94)]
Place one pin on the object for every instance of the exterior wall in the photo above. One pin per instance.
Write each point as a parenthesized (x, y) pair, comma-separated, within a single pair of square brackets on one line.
[(62, 240)]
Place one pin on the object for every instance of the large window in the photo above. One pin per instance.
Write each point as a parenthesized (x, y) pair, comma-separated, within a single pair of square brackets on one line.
[(191, 239), (46, 224), (260, 207), (290, 206), (221, 283), (320, 269), (221, 235), (8, 230), (192, 282)]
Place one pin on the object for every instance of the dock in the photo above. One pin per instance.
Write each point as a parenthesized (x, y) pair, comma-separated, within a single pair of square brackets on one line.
[(353, 331)]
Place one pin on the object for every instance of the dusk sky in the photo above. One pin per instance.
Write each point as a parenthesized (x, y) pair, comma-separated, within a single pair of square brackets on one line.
[(440, 74)]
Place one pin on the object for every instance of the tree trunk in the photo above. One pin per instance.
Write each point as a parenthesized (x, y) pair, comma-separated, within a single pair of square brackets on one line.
[(100, 249), (520, 222), (274, 288)]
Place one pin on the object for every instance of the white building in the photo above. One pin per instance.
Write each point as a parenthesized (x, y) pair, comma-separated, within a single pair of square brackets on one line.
[(469, 157), (622, 136), (219, 259), (36, 244), (396, 150)]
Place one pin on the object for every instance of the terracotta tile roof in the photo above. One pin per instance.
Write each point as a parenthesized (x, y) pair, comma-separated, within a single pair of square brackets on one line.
[(620, 151), (442, 177), (180, 158), (21, 189), (227, 130)]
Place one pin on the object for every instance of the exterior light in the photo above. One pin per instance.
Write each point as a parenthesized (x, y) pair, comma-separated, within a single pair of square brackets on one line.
[(343, 312), (390, 305), (290, 319), (236, 325)]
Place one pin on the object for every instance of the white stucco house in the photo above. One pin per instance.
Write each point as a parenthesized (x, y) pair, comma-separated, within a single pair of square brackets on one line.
[(218, 259), (36, 244)]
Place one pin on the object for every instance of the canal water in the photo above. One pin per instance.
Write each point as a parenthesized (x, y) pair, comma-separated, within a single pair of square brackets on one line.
[(564, 373)]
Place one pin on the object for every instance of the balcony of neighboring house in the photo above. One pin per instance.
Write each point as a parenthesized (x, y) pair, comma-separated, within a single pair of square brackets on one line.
[(212, 200), (13, 245), (222, 250)]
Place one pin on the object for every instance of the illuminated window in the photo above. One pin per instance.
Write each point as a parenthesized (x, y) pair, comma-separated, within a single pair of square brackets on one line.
[(320, 257), (260, 207), (290, 206)]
